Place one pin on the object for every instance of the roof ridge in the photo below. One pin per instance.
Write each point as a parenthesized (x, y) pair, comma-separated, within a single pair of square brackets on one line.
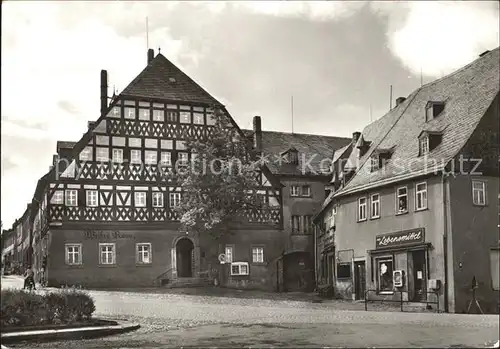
[(297, 133), (460, 69)]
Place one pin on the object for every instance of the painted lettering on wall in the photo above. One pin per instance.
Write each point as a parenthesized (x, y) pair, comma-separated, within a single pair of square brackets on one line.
[(400, 238), (106, 235)]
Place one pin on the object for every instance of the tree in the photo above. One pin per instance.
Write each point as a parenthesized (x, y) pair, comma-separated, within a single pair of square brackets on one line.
[(218, 183)]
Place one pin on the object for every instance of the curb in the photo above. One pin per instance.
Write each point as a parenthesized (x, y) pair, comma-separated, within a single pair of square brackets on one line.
[(68, 333)]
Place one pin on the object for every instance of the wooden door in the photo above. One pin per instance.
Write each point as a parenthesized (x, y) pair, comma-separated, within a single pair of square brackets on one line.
[(360, 279)]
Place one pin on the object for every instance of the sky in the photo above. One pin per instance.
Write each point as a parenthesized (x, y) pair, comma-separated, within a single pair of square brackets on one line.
[(337, 59)]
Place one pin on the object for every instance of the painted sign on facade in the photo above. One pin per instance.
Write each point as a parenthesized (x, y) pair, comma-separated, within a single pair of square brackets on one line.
[(400, 238), (106, 235)]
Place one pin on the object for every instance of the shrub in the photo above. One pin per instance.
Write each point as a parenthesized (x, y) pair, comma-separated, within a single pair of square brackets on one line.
[(20, 308)]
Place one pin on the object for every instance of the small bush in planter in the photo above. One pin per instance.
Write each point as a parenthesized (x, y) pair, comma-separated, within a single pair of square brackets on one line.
[(20, 308)]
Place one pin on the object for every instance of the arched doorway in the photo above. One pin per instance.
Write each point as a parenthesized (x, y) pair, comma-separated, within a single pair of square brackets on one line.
[(298, 272), (185, 257)]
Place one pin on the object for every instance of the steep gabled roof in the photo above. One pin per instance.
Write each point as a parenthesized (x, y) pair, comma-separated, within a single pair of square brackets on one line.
[(312, 149), (467, 94), (161, 79)]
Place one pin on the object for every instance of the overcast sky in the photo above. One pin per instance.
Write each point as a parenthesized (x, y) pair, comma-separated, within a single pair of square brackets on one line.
[(335, 59)]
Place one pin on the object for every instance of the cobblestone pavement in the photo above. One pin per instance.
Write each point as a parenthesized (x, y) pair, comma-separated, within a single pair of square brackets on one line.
[(172, 320)]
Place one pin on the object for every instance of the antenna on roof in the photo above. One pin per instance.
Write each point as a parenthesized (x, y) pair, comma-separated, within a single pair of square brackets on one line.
[(292, 113), (147, 33), (390, 99), (421, 78), (371, 119)]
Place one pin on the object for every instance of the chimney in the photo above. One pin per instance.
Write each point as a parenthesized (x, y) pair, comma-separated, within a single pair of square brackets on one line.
[(104, 91), (400, 100), (355, 137), (257, 136), (151, 55), (55, 159)]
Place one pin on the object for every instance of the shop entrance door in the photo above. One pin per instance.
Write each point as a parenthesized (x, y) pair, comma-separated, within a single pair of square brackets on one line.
[(419, 276), (359, 279)]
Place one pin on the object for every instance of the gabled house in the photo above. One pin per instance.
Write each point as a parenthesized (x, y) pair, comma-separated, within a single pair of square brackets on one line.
[(106, 216), (417, 214), (302, 165)]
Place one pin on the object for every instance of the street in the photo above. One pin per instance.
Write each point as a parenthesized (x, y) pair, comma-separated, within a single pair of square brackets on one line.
[(173, 320)]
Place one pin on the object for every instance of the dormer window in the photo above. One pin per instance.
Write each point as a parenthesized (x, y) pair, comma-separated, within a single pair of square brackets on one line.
[(423, 145), (291, 156), (374, 163), (427, 141), (433, 110)]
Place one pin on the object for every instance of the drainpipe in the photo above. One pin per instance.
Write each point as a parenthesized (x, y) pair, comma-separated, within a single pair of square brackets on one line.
[(445, 185), (315, 256)]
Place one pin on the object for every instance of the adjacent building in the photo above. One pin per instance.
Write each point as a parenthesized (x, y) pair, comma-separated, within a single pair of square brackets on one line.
[(414, 204), (302, 164)]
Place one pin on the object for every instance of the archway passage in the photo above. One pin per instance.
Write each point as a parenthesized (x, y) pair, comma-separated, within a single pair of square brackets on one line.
[(184, 253), (298, 272)]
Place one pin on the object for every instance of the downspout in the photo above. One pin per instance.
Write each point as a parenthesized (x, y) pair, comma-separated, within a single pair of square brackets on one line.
[(445, 240), (315, 257)]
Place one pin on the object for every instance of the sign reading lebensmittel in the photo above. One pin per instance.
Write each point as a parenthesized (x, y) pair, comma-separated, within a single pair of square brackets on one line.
[(400, 238)]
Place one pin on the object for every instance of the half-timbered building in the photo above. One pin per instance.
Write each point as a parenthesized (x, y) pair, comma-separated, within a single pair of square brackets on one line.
[(107, 215)]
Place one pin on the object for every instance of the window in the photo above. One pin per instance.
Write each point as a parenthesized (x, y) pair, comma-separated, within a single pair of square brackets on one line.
[(307, 224), (134, 142), (116, 112), (118, 155), (102, 140), (210, 119), (57, 198), (294, 190), (140, 199), (343, 270), (185, 117), (86, 154), (166, 158), (306, 190), (172, 116), (384, 275), (180, 145), (229, 253), (135, 156), (423, 145), (107, 254), (402, 200), (375, 203), (71, 197), (129, 113), (479, 193), (198, 119), (151, 157), (295, 223), (374, 163), (175, 199), (73, 254), (273, 201), (433, 109), (258, 254), (182, 159), (143, 114), (143, 253), (102, 154), (151, 143), (421, 196), (361, 209), (239, 268), (157, 199), (158, 115), (92, 198), (167, 144), (118, 141)]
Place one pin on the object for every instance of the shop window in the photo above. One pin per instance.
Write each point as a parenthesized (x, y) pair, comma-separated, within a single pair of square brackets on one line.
[(385, 267), (343, 270), (402, 200)]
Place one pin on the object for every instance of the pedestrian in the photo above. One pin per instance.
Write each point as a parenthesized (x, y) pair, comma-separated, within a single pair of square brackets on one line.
[(29, 279)]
